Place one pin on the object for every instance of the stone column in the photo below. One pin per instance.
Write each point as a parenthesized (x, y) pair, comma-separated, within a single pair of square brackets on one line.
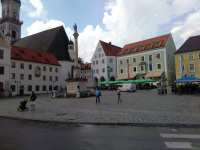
[(76, 65)]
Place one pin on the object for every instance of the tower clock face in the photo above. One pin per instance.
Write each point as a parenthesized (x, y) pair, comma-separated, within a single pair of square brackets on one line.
[(37, 72)]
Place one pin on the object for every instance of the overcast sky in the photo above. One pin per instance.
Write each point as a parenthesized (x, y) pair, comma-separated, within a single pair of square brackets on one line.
[(118, 21)]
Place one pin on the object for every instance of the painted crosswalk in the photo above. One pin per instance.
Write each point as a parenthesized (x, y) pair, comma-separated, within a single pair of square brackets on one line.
[(180, 141)]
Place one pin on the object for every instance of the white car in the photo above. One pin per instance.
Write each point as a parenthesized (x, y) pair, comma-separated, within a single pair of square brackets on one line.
[(128, 88)]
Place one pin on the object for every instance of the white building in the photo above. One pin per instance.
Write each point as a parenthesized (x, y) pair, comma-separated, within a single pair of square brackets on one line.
[(33, 71), (4, 66), (104, 61)]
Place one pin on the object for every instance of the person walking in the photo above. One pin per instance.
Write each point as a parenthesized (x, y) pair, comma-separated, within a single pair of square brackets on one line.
[(98, 95), (119, 96), (32, 101)]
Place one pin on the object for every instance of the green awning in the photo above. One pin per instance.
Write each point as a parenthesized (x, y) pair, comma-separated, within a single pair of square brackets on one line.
[(117, 82)]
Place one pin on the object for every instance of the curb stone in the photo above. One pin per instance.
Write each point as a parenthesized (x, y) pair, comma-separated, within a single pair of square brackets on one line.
[(145, 124)]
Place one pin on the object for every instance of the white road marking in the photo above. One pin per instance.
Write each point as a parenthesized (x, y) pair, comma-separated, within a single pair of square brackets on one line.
[(180, 136), (178, 145)]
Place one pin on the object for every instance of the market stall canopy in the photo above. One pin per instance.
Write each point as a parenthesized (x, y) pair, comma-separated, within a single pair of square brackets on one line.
[(142, 81)]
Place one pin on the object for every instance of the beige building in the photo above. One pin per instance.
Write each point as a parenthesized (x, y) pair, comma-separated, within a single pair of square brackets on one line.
[(149, 59)]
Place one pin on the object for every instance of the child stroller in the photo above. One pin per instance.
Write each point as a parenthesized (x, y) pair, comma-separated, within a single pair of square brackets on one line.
[(22, 106)]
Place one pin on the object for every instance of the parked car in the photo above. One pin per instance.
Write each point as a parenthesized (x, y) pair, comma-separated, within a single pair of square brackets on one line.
[(128, 88)]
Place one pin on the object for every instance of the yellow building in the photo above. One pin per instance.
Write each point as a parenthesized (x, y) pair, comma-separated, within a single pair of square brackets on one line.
[(187, 59)]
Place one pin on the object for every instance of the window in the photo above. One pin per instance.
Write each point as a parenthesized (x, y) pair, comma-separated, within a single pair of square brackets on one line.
[(50, 69), (103, 61), (191, 57), (99, 55), (97, 71), (13, 88), (56, 70), (29, 88), (134, 69), (158, 66), (134, 60), (111, 60), (44, 88), (30, 67), (150, 57), (158, 56), (22, 76), (150, 67), (127, 61), (44, 68), (13, 65), (97, 62), (1, 70), (121, 71), (56, 78), (50, 78), (13, 76), (22, 66), (1, 54), (50, 88), (142, 68), (29, 77), (192, 68), (142, 58), (93, 62), (103, 70), (121, 62), (44, 78), (37, 88)]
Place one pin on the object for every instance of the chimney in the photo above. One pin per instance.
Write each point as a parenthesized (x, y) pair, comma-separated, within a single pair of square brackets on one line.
[(109, 43)]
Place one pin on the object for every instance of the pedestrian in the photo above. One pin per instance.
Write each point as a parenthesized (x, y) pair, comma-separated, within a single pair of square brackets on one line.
[(33, 98), (98, 95), (119, 96)]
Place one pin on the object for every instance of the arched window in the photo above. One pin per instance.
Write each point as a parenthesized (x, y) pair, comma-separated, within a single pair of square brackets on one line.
[(14, 35), (102, 79)]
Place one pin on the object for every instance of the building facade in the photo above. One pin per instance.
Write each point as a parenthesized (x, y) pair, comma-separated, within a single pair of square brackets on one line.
[(148, 59), (104, 61), (188, 59), (86, 71), (4, 66), (33, 71)]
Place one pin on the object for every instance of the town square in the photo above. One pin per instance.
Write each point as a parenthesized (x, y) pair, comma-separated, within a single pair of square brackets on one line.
[(129, 82)]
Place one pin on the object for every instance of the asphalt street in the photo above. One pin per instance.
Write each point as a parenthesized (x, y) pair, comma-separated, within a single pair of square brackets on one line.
[(27, 135)]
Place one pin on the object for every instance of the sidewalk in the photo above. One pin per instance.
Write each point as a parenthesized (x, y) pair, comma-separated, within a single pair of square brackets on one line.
[(143, 107)]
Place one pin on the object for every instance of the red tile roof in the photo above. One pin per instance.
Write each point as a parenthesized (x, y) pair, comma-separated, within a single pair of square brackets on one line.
[(149, 44), (25, 54), (109, 49), (86, 66)]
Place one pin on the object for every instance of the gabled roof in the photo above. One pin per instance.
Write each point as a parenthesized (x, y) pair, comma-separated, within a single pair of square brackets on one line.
[(146, 45), (190, 45), (29, 55), (109, 49), (53, 40)]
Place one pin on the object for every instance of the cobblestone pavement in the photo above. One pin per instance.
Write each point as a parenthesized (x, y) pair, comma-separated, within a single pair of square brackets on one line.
[(139, 107)]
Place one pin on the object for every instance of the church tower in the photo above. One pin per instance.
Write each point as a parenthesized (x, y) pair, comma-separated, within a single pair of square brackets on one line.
[(10, 24)]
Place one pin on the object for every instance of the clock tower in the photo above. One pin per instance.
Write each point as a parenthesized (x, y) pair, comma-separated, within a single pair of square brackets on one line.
[(10, 24)]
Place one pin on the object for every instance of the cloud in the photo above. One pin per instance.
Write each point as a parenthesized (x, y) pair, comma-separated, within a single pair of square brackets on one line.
[(189, 27), (39, 26), (127, 21), (34, 8)]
